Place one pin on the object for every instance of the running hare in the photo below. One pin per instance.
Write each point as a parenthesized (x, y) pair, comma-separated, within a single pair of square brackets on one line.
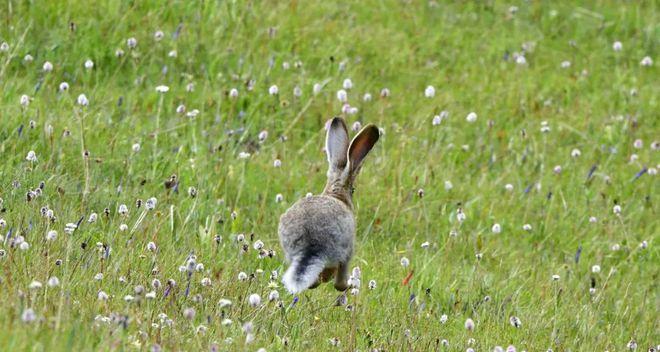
[(317, 232)]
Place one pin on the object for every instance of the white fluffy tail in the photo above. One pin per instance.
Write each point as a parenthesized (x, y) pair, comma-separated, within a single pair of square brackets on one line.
[(303, 273)]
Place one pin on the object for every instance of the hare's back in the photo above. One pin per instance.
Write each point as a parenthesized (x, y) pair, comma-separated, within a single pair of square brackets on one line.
[(321, 223)]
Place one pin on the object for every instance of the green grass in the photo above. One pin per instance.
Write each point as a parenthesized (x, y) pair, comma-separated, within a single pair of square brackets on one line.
[(464, 50)]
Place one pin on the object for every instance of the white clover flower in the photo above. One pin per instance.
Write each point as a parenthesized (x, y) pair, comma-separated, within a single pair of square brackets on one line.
[(53, 281), (151, 203), (555, 277), (162, 89), (190, 87), (426, 244), (206, 282), (616, 209), (28, 316), (189, 313), (342, 96), (263, 135), (48, 67), (24, 246), (25, 100), (123, 227), (254, 300), (136, 147), (151, 247), (273, 90), (4, 47), (159, 35), (242, 276), (316, 89), (223, 303), (366, 97), (277, 163), (557, 169), (102, 296), (469, 324), (51, 235), (436, 120), (119, 53), (496, 228), (638, 144), (576, 153), (286, 65), (129, 298), (617, 46), (273, 296), (565, 64), (123, 209), (348, 84), (460, 215), (233, 93), (172, 54), (131, 43), (89, 64), (31, 156), (243, 155), (384, 93), (98, 277), (646, 61), (429, 92), (443, 319), (527, 227), (471, 117), (35, 285), (521, 60), (180, 109), (82, 100), (64, 86), (508, 187), (595, 269), (150, 295), (405, 262), (28, 58)]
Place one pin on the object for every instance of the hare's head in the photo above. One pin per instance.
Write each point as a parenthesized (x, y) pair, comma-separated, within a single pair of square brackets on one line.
[(345, 159)]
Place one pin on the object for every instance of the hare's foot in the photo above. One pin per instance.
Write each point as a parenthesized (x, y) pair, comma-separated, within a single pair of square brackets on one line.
[(327, 274), (341, 280)]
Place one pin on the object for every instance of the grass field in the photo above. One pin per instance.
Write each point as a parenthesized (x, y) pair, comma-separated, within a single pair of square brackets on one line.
[(513, 204)]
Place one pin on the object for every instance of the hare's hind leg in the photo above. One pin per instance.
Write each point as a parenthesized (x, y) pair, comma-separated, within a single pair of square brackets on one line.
[(341, 280), (326, 275)]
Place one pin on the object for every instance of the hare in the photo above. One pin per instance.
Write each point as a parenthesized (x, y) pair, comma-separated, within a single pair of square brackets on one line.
[(317, 232)]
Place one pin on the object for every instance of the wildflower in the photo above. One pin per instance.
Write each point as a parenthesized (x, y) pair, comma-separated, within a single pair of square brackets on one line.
[(64, 86), (497, 228), (555, 277), (471, 117), (425, 244), (129, 298), (460, 215), (405, 262), (372, 284), (35, 285), (47, 66), (616, 209), (644, 244), (448, 186), (190, 87), (576, 153), (429, 92), (158, 36), (508, 187), (28, 316), (28, 58), (617, 46), (254, 300), (242, 276), (243, 155), (515, 322), (51, 235), (89, 64), (206, 282), (366, 97), (469, 324), (24, 246), (102, 296), (172, 54), (443, 319), (316, 88), (348, 84), (180, 109), (31, 156), (224, 303), (342, 96), (131, 43), (595, 269), (557, 169), (151, 203), (162, 89), (565, 64), (277, 163), (297, 92), (273, 90), (53, 281), (123, 209), (384, 93), (335, 342), (521, 60), (82, 100), (273, 295), (119, 53), (527, 227), (123, 227), (189, 313), (98, 277), (615, 247), (279, 198), (632, 345), (436, 120), (4, 47), (646, 61), (638, 144)]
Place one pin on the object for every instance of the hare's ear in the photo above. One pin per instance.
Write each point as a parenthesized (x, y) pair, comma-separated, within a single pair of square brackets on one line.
[(336, 144), (361, 145)]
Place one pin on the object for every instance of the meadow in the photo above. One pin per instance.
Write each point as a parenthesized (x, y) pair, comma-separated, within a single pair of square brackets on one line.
[(148, 148)]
